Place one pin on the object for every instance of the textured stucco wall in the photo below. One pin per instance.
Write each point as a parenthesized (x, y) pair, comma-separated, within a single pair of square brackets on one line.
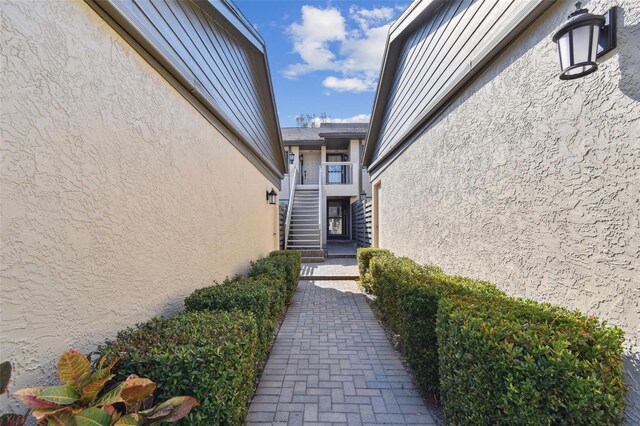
[(118, 197), (534, 183)]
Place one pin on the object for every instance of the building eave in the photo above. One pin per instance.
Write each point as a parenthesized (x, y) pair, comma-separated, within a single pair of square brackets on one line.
[(351, 135), (414, 16), (228, 16), (411, 17), (235, 22)]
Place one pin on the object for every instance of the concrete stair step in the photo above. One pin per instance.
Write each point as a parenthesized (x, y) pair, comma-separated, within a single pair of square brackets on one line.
[(328, 277), (312, 260)]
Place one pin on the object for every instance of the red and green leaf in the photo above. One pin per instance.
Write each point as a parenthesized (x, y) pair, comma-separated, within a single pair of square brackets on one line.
[(74, 369), (91, 390), (171, 410), (5, 376), (61, 395), (129, 419), (114, 361), (61, 418), (12, 420), (137, 389), (30, 398), (92, 417), (111, 397)]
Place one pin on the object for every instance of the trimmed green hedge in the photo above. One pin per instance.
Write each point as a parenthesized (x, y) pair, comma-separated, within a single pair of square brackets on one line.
[(253, 295), (210, 356), (495, 359), (389, 276), (407, 295), (293, 267), (282, 266), (419, 307), (213, 351), (509, 361), (365, 254)]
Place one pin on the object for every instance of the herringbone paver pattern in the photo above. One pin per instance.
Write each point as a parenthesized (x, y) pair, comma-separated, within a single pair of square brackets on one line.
[(332, 364)]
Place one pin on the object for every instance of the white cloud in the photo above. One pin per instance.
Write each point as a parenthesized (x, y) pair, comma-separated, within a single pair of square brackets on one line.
[(368, 17), (360, 118), (365, 53), (351, 45), (353, 84), (312, 36)]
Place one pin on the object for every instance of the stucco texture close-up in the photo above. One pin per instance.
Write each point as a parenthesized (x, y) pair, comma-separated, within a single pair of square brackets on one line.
[(118, 197), (533, 183)]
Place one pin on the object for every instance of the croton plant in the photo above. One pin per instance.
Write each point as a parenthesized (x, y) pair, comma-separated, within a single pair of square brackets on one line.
[(8, 419), (81, 399)]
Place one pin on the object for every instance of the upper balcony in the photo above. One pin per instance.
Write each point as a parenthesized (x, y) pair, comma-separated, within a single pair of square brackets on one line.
[(340, 178)]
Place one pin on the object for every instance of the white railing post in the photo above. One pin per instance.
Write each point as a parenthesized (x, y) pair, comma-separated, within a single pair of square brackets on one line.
[(292, 191), (321, 180)]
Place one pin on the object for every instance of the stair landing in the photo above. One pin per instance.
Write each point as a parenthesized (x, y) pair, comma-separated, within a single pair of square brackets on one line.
[(331, 269)]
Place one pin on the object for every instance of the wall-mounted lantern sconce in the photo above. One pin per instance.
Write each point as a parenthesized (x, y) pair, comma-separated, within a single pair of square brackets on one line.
[(271, 196), (363, 196), (292, 157), (582, 39)]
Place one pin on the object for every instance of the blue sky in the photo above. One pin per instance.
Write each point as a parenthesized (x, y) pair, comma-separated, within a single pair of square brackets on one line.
[(324, 56)]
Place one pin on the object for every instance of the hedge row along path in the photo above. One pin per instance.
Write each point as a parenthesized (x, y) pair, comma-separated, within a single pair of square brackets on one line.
[(332, 364)]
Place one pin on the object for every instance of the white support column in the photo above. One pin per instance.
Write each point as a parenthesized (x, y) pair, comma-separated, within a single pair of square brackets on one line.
[(354, 157), (296, 160)]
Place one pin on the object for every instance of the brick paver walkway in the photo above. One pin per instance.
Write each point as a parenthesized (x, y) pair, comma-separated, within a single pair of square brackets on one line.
[(332, 364)]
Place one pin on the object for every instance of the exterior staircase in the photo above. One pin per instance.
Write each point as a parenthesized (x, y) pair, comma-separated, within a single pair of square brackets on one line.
[(304, 228)]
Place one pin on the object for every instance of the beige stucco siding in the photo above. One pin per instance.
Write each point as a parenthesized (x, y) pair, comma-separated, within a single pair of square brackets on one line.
[(533, 183), (118, 197)]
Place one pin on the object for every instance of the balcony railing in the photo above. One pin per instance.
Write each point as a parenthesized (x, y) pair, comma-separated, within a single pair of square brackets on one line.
[(338, 173)]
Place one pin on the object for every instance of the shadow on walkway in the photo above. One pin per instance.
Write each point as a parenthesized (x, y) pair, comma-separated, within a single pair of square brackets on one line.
[(338, 268)]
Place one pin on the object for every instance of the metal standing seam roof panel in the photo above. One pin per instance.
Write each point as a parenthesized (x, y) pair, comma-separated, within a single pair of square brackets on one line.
[(209, 47), (433, 50)]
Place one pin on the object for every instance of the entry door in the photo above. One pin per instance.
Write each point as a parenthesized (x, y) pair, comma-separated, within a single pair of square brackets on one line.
[(310, 168), (337, 218)]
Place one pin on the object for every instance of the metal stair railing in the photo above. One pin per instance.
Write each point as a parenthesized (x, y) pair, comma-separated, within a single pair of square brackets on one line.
[(321, 180), (292, 193)]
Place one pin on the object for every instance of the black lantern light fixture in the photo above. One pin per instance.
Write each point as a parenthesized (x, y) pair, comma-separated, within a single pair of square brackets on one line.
[(271, 196), (292, 157), (582, 39), (363, 196)]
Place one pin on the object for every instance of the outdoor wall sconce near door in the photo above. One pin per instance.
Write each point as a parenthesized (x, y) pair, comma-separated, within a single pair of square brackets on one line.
[(292, 157), (271, 196), (582, 39)]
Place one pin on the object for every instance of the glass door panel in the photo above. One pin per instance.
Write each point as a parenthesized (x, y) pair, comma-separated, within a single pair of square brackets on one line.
[(336, 219), (336, 174)]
